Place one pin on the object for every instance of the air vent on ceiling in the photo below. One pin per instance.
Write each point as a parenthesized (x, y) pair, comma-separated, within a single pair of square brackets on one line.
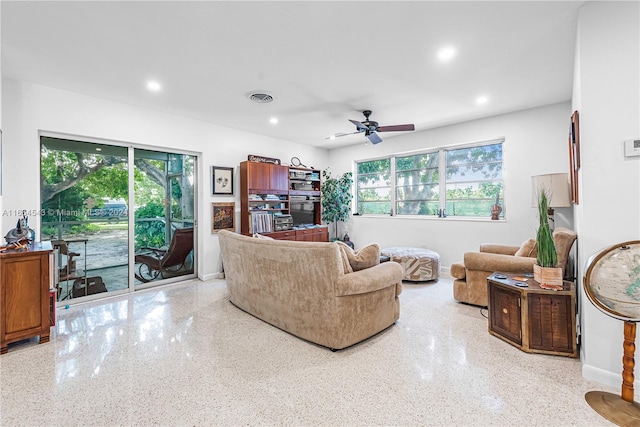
[(261, 97)]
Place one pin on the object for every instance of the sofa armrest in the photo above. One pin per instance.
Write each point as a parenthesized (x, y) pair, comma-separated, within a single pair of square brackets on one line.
[(498, 249), (369, 280), (497, 262)]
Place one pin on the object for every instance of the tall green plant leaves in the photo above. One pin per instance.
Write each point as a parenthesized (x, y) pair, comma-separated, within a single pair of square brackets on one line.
[(546, 253)]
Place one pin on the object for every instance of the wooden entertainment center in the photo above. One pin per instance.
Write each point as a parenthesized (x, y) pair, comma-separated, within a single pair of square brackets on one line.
[(269, 190)]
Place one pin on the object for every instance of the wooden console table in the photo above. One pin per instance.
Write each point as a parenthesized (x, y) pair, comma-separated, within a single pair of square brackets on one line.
[(24, 294), (534, 319)]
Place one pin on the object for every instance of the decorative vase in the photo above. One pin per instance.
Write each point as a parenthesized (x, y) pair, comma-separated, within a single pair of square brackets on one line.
[(496, 209), (348, 241), (547, 275)]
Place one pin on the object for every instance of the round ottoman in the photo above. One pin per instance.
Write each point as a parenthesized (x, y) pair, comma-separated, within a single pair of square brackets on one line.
[(419, 264)]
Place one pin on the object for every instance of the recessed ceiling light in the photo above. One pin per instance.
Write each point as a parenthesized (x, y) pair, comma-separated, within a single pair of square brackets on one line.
[(273, 120), (98, 149), (153, 86), (482, 100), (446, 54), (332, 137)]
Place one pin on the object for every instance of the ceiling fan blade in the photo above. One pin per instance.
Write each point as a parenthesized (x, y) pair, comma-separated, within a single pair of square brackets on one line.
[(339, 134), (374, 138), (396, 128), (359, 125)]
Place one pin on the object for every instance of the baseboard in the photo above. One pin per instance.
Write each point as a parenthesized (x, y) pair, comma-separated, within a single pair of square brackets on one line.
[(607, 378), (211, 276)]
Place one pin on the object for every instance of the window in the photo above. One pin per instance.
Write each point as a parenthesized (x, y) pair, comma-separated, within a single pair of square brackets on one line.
[(464, 181), (374, 187), (417, 187)]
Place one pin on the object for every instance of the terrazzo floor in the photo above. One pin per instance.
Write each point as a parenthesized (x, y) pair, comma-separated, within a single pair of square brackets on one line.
[(183, 355)]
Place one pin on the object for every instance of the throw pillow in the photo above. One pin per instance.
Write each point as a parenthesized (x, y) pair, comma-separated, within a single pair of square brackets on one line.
[(346, 265), (363, 258), (528, 248)]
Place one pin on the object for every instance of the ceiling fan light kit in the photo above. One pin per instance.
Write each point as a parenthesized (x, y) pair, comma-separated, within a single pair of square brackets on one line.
[(371, 127)]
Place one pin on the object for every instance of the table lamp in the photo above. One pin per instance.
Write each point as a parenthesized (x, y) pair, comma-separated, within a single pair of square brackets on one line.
[(557, 187)]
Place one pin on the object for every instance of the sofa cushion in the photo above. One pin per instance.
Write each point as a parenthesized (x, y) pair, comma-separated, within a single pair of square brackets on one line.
[(361, 259), (528, 248)]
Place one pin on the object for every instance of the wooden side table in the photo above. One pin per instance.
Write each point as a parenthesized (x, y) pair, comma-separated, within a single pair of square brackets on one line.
[(534, 319), (25, 281)]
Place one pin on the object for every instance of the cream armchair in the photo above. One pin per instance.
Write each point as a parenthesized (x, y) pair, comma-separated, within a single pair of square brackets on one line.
[(470, 276)]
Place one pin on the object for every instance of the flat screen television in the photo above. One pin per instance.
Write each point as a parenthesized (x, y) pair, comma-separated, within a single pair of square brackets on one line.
[(302, 213)]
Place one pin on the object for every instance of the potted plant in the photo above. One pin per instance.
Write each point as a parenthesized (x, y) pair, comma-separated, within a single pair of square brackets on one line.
[(546, 270), (336, 197)]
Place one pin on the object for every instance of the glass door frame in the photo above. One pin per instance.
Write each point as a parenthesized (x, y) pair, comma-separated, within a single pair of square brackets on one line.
[(186, 277), (131, 286)]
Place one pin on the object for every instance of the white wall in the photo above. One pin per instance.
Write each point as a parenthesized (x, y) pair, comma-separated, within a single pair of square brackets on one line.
[(1, 160), (535, 143), (30, 108), (607, 96)]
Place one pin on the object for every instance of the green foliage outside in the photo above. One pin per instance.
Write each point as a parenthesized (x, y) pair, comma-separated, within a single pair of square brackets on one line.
[(74, 182), (151, 232), (473, 182), (336, 197)]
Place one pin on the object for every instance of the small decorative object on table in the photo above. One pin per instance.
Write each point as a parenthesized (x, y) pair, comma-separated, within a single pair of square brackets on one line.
[(262, 159), (21, 232), (347, 241), (496, 209)]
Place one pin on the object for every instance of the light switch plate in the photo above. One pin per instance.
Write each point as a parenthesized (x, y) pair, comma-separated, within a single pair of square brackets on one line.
[(632, 147)]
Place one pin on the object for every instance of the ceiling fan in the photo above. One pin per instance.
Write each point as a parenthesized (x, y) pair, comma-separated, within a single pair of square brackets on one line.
[(370, 127)]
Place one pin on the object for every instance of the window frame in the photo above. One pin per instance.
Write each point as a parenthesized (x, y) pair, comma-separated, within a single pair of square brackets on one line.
[(442, 183)]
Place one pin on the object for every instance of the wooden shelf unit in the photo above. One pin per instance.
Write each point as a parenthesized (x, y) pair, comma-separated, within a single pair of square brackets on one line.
[(25, 284), (304, 182), (292, 185), (534, 319)]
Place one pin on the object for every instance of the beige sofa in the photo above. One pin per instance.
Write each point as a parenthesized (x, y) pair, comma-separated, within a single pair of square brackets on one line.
[(470, 284), (302, 288)]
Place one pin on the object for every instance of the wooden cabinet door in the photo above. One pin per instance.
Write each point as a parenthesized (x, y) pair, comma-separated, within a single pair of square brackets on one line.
[(279, 178), (550, 325), (24, 296), (258, 176), (505, 313), (305, 235), (313, 235)]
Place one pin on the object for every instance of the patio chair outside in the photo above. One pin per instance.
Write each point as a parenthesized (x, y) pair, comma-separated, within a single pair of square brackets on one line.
[(164, 263)]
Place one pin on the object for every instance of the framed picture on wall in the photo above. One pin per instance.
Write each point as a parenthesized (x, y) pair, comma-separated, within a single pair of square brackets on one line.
[(574, 156), (221, 180), (223, 216)]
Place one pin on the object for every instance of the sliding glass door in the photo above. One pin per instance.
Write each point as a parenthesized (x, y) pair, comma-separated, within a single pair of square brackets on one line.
[(164, 215), (119, 217)]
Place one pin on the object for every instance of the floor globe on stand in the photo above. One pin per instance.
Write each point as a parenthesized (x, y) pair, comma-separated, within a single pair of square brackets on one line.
[(612, 284)]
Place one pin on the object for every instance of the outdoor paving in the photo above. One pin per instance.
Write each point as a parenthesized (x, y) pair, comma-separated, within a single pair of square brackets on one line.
[(106, 255)]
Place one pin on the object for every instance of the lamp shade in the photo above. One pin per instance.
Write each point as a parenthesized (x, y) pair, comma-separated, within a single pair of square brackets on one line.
[(557, 187)]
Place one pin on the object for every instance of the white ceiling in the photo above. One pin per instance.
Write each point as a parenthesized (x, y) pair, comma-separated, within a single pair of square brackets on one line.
[(324, 61)]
